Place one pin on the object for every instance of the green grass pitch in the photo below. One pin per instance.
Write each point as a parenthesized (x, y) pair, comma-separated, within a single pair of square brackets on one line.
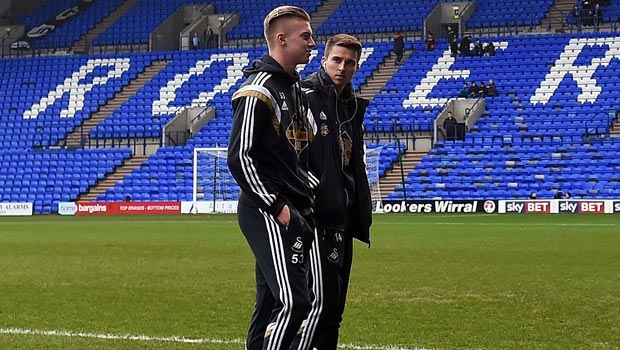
[(436, 282)]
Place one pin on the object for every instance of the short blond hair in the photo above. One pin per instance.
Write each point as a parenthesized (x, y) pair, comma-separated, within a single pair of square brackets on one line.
[(344, 40), (282, 12)]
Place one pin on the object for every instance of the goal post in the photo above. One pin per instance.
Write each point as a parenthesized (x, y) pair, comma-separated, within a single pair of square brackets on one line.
[(373, 156), (214, 189)]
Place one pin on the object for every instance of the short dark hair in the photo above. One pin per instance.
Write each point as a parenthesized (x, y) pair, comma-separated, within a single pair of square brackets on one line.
[(344, 40)]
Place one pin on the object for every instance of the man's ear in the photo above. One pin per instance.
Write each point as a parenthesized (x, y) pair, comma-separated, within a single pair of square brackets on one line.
[(281, 38)]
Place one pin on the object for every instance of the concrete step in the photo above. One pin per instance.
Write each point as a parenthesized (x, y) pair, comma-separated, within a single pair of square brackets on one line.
[(110, 181), (394, 176)]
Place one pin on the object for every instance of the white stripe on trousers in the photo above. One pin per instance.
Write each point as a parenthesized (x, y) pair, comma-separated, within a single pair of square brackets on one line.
[(286, 297), (316, 270)]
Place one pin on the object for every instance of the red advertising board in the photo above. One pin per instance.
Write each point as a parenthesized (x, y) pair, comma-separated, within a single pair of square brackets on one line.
[(126, 208)]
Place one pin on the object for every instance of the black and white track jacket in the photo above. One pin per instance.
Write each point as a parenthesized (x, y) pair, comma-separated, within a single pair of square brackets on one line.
[(268, 145)]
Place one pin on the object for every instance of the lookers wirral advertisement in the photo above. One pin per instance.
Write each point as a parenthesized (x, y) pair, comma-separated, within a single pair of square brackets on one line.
[(538, 206), (440, 206)]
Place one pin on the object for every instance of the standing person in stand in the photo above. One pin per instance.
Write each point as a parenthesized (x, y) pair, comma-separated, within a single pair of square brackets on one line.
[(195, 42), (343, 209), (399, 47), (430, 41), (449, 125), (209, 38), (268, 157)]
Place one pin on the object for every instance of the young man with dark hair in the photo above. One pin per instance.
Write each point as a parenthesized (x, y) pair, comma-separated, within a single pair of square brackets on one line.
[(269, 158), (342, 204)]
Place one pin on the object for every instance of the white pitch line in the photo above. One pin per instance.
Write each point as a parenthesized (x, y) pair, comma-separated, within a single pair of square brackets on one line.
[(378, 347), (175, 339)]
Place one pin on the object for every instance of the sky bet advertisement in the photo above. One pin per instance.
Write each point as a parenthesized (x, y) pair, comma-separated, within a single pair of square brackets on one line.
[(559, 206)]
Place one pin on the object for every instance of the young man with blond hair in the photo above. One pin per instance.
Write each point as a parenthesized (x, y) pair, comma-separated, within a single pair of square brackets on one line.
[(343, 204), (269, 158)]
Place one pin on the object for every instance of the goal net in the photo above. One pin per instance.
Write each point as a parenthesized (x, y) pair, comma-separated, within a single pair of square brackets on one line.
[(216, 191), (373, 156), (214, 188)]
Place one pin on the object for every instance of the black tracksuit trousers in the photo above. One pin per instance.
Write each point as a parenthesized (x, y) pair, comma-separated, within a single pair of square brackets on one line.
[(282, 297), (330, 262)]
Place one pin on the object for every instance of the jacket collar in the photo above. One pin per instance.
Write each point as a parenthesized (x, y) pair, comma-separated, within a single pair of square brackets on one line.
[(268, 64), (321, 81)]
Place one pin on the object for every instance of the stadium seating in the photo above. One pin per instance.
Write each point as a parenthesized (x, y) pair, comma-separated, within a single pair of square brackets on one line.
[(377, 17), (135, 26), (556, 91), (611, 12), (508, 13), (72, 29), (212, 135), (44, 105), (532, 138), (47, 177), (54, 96), (250, 24)]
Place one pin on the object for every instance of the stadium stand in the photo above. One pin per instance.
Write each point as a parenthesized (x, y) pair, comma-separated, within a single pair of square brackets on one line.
[(175, 177), (532, 136), (72, 29), (548, 129), (376, 17), (47, 177), (250, 25), (611, 12), (508, 13), (135, 26), (42, 104)]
